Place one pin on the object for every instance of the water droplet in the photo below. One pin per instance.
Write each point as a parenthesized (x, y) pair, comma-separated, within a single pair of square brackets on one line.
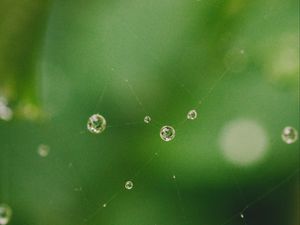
[(129, 185), (96, 124), (5, 214), (192, 115), (43, 150), (5, 112), (242, 216), (147, 119), (289, 135), (174, 177), (167, 133), (104, 205)]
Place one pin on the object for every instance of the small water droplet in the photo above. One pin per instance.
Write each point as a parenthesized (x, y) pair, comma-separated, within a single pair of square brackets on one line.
[(192, 115), (96, 124), (174, 177), (242, 216), (5, 214), (289, 135), (147, 119), (43, 150), (104, 205), (129, 185), (167, 133)]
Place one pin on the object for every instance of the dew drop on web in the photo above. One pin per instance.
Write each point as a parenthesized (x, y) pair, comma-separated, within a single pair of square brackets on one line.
[(96, 124), (167, 133), (129, 185), (289, 135), (192, 115)]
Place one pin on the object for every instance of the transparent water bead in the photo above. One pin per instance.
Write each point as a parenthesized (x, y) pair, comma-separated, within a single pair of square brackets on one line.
[(129, 185), (96, 124), (43, 150), (289, 135), (147, 119), (5, 214), (167, 133), (192, 115)]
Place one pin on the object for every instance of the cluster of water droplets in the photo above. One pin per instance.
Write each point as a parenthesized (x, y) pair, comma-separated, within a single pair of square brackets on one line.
[(97, 124)]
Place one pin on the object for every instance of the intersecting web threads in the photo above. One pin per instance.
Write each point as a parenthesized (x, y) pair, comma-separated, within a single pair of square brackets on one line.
[(119, 166), (167, 133)]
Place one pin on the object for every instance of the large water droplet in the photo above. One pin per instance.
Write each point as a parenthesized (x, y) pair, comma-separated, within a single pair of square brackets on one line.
[(5, 214), (289, 135), (192, 115), (96, 124), (167, 133), (147, 119), (129, 185)]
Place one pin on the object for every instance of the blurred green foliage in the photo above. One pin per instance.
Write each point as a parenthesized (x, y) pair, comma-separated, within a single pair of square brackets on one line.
[(240, 58)]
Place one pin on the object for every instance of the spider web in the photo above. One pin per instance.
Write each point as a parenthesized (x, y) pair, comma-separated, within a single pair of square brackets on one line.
[(126, 70)]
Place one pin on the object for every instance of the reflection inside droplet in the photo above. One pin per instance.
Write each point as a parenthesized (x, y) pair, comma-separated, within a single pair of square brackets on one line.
[(96, 124), (147, 119), (192, 115), (129, 185), (167, 133), (289, 135)]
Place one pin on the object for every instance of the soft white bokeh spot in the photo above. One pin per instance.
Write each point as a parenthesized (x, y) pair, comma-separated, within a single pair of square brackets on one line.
[(243, 142)]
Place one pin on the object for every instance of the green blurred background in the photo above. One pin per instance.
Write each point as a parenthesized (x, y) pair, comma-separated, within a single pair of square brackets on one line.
[(240, 58)]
